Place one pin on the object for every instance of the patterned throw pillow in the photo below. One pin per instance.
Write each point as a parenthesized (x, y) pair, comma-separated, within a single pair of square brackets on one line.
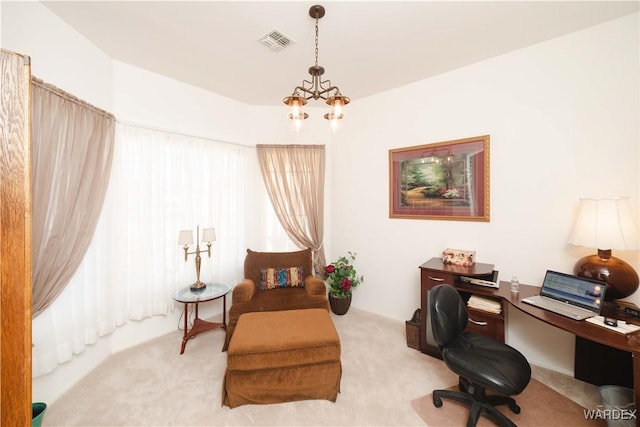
[(289, 277)]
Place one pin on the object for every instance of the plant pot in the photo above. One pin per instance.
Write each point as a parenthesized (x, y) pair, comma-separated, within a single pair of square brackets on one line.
[(37, 413), (340, 305)]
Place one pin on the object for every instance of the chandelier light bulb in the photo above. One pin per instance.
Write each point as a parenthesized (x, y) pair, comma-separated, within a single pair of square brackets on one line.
[(334, 124), (337, 103), (300, 116), (334, 120), (295, 109), (337, 108)]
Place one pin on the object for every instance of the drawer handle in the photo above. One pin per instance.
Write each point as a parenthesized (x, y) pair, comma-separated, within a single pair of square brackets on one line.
[(475, 322), (436, 279)]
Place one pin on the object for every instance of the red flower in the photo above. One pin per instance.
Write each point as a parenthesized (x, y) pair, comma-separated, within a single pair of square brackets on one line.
[(330, 268), (345, 285)]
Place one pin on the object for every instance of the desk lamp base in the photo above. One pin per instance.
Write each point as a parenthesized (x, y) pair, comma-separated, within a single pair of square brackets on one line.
[(198, 286)]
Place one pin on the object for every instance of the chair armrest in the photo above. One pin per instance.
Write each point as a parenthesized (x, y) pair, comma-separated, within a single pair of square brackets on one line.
[(315, 285), (243, 291)]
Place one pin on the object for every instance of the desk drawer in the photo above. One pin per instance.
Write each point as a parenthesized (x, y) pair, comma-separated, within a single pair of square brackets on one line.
[(487, 324), (431, 278)]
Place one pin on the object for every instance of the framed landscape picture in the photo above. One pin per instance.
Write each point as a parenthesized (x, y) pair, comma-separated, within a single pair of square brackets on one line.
[(445, 180)]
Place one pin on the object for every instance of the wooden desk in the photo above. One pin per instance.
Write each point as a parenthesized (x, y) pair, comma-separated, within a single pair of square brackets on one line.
[(579, 328), (434, 272)]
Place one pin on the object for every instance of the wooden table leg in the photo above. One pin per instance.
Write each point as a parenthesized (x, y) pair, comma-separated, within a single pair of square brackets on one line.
[(200, 325), (185, 336)]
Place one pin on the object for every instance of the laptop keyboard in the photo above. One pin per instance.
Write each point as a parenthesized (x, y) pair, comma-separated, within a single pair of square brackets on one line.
[(561, 308)]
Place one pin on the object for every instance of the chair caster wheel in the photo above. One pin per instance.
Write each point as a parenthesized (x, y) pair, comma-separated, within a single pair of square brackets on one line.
[(437, 402)]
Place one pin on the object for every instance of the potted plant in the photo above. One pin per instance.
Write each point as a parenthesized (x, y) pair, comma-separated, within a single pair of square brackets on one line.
[(342, 278)]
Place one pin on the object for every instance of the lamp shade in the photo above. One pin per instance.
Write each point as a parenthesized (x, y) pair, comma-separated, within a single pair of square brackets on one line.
[(605, 224), (185, 237), (208, 235)]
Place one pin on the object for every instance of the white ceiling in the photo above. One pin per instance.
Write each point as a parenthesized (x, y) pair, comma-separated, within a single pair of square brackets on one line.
[(366, 47)]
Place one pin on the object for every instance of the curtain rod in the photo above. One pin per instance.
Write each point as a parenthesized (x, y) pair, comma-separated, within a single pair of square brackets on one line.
[(290, 145), (66, 95), (69, 97), (138, 125)]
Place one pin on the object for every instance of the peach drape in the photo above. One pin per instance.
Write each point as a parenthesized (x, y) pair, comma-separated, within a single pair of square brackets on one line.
[(72, 153), (294, 178)]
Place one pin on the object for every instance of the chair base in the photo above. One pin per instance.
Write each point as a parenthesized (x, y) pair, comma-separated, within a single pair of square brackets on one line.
[(476, 398)]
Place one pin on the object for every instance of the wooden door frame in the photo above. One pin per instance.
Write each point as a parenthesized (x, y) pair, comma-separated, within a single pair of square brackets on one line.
[(15, 239)]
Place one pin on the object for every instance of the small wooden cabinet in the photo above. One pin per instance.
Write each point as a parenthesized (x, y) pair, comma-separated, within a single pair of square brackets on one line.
[(435, 272)]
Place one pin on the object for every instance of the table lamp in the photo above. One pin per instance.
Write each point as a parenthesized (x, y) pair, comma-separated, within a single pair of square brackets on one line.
[(607, 224), (185, 238)]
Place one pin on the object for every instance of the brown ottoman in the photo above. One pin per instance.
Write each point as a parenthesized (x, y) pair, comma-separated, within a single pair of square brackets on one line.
[(282, 356)]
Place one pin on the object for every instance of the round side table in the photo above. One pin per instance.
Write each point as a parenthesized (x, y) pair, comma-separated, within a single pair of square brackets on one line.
[(210, 293)]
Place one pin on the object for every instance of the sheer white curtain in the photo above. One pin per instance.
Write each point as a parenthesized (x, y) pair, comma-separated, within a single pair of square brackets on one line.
[(161, 183)]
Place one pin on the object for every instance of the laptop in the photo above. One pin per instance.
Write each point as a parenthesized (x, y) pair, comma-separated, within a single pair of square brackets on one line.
[(576, 297)]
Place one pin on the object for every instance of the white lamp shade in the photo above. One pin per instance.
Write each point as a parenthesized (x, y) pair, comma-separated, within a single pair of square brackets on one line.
[(185, 237), (208, 235), (605, 224)]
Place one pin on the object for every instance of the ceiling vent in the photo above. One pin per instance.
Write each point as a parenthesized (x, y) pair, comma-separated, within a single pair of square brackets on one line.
[(275, 40)]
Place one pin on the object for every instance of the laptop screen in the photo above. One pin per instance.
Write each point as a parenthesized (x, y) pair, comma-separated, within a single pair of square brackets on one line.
[(581, 291)]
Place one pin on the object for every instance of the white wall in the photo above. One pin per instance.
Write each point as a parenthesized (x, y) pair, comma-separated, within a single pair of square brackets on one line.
[(59, 55), (563, 120), (563, 117)]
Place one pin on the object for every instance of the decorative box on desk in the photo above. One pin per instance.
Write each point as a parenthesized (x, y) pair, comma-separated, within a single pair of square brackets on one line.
[(435, 272)]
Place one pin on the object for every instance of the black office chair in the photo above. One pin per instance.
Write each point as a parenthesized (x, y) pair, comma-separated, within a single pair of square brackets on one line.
[(482, 363)]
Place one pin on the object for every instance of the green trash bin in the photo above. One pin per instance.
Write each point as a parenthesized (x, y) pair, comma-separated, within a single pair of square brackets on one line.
[(37, 413)]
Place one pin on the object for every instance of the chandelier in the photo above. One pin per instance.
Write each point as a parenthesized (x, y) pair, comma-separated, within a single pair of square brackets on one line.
[(316, 89)]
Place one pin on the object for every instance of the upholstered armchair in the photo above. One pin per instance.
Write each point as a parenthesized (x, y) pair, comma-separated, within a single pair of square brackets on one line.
[(276, 281)]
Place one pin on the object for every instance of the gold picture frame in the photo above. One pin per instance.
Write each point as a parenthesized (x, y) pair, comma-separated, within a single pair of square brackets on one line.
[(443, 181)]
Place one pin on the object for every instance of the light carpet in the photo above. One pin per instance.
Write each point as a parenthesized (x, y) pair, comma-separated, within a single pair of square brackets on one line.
[(153, 385), (540, 406)]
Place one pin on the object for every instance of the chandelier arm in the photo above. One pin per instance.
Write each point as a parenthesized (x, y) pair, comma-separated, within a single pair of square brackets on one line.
[(315, 94), (305, 90), (318, 89), (307, 82), (323, 82), (322, 93)]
